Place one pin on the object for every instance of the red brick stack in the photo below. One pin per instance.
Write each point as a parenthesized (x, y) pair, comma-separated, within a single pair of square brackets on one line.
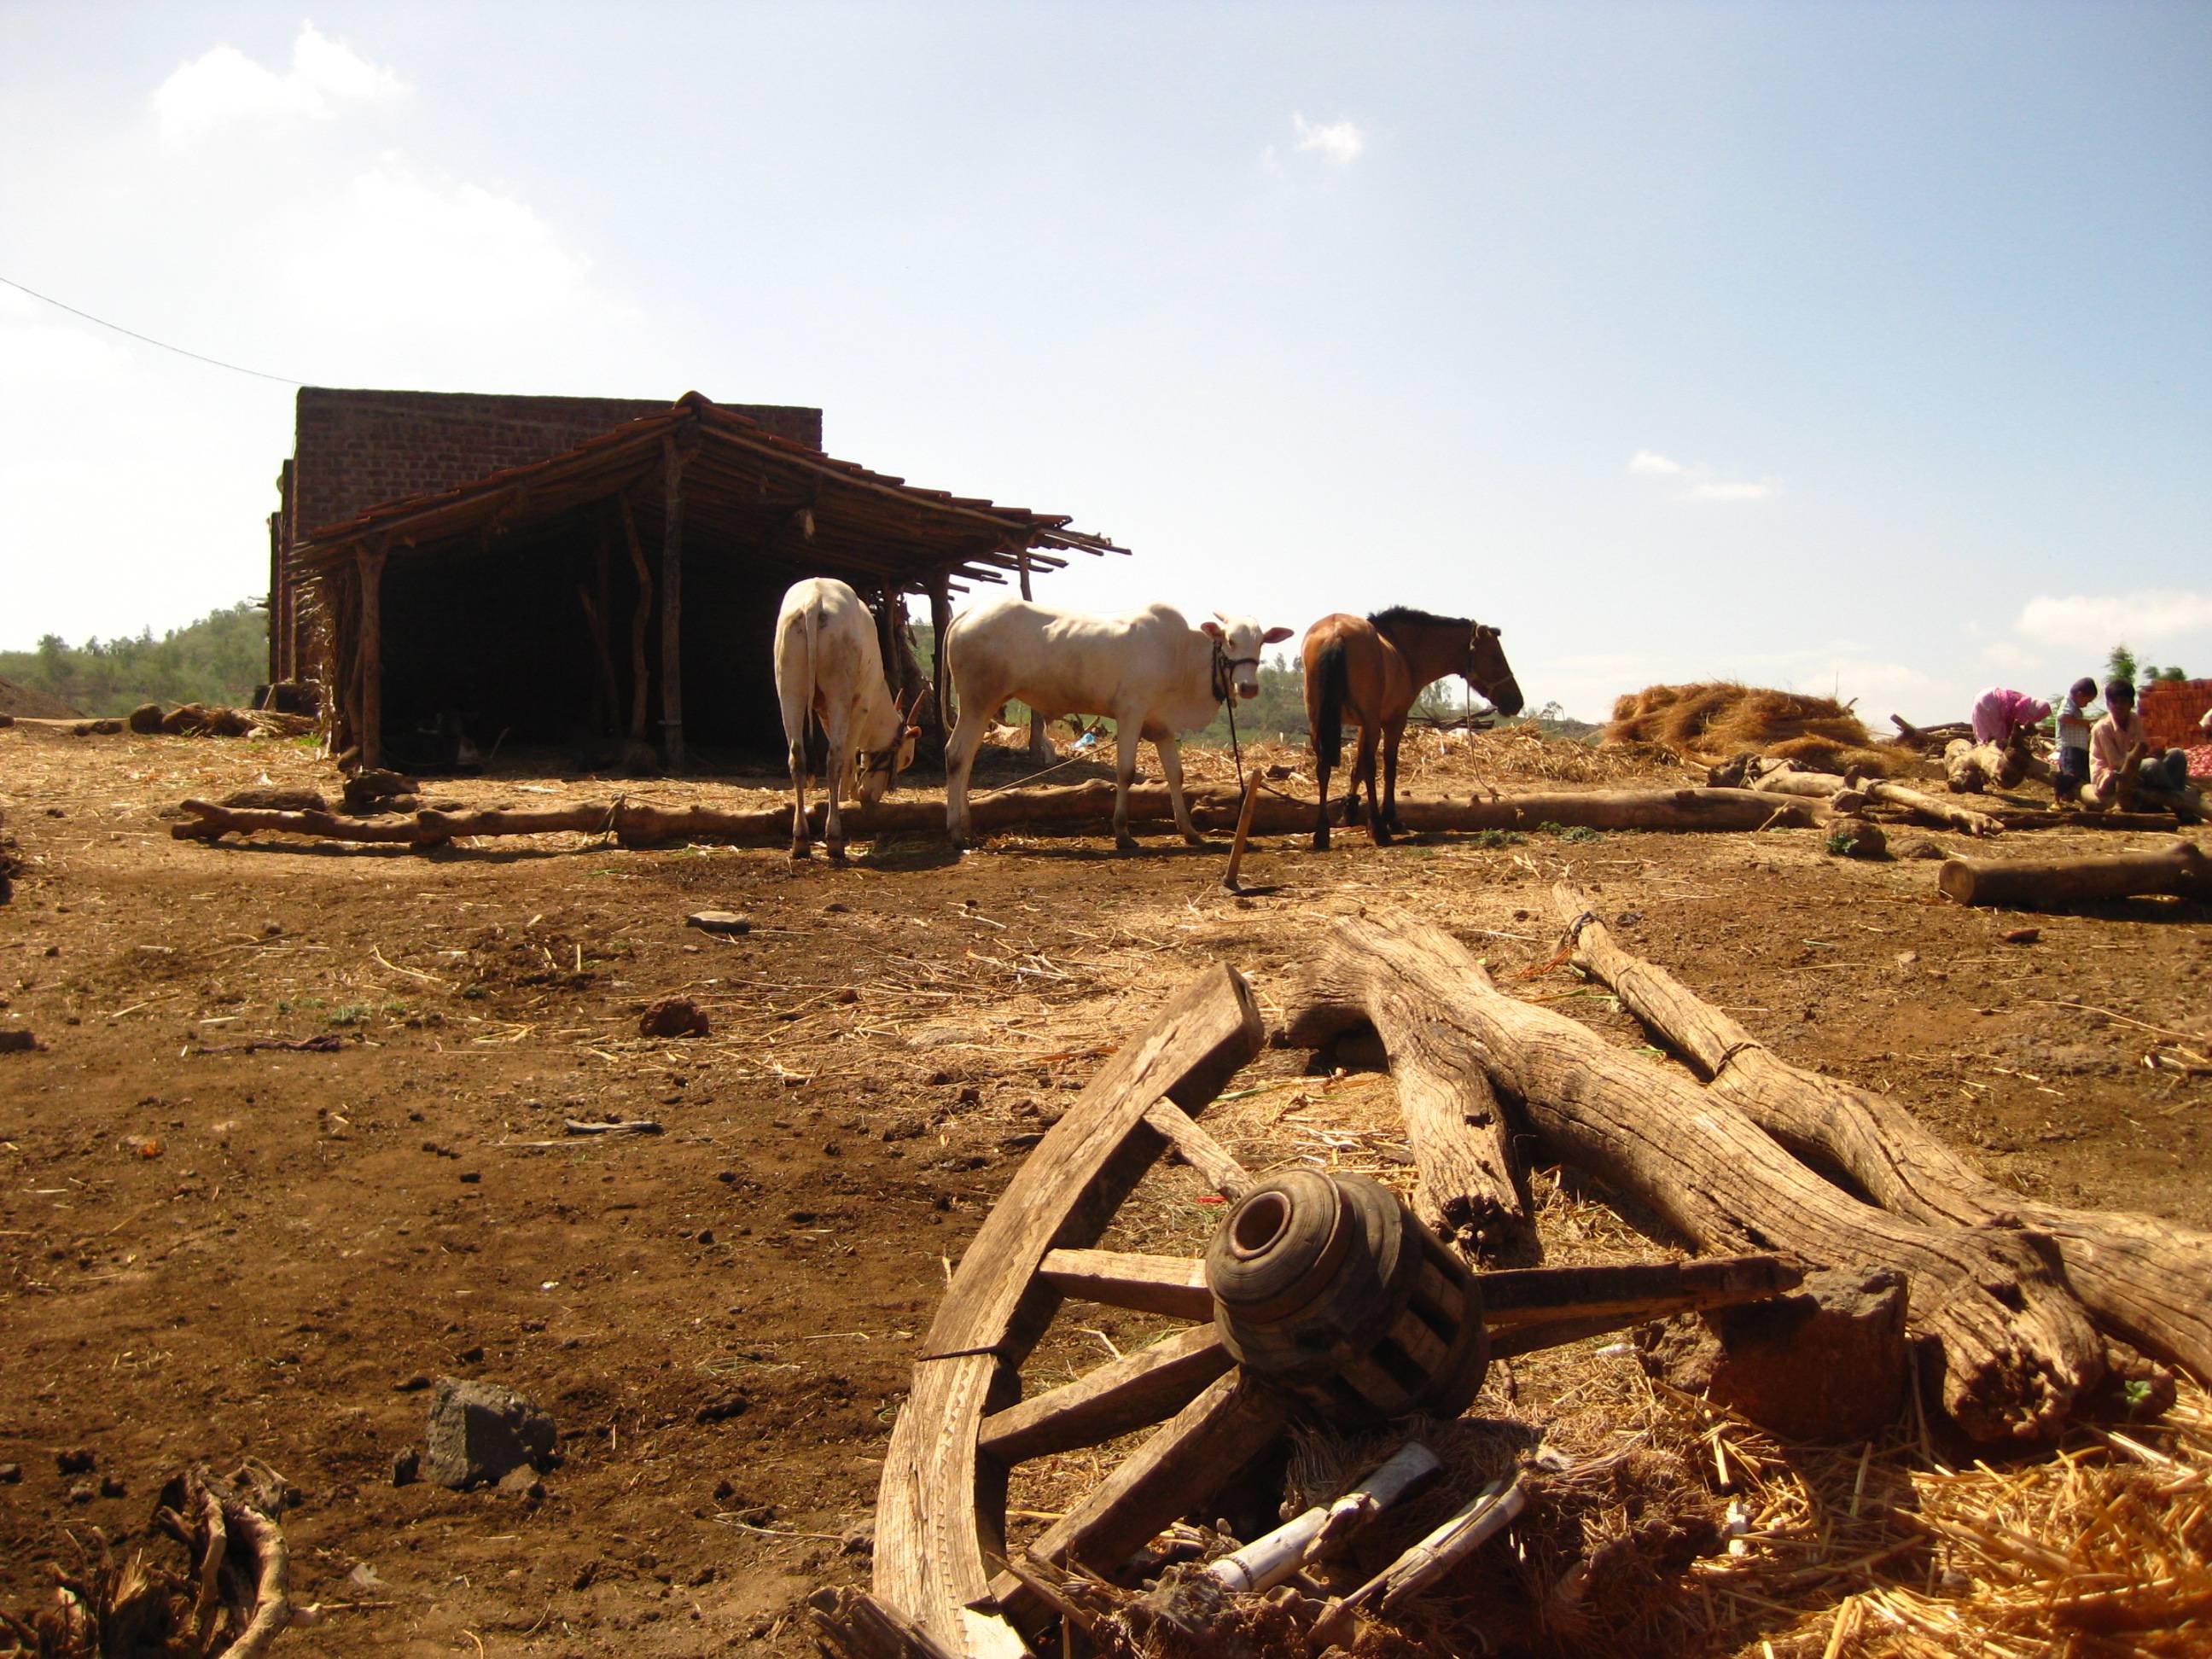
[(2171, 710)]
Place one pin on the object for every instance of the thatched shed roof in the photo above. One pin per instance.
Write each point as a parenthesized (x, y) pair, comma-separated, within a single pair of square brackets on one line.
[(788, 503)]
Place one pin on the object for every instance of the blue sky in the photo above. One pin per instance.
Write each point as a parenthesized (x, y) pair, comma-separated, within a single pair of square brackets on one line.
[(1856, 348)]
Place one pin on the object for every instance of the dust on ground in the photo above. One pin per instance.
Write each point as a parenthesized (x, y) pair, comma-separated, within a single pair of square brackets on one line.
[(211, 1252)]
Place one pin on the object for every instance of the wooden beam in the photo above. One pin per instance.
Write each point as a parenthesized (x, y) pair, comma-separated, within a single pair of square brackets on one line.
[(1172, 1284), (1201, 1150), (1146, 1386), (673, 455), (369, 562), (639, 679), (940, 619)]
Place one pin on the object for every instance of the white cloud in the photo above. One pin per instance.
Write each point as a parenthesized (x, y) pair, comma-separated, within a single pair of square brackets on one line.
[(2009, 658), (1699, 483), (1338, 142), (225, 87), (2093, 621)]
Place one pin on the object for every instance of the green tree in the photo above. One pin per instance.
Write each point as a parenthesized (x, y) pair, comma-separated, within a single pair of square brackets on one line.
[(2121, 664), (219, 659)]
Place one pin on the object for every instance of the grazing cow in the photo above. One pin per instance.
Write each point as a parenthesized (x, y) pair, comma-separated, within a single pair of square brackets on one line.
[(1372, 668), (1149, 670), (828, 666)]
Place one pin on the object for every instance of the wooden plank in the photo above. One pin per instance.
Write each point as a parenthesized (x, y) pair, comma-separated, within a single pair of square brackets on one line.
[(932, 1529), (1145, 1387), (1172, 1284), (854, 1625), (1175, 1471), (1527, 1295), (1201, 1150)]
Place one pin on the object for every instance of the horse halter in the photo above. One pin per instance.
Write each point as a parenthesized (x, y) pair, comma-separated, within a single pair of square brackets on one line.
[(1484, 685)]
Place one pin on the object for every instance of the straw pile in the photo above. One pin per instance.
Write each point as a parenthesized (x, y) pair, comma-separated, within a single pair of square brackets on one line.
[(1717, 720)]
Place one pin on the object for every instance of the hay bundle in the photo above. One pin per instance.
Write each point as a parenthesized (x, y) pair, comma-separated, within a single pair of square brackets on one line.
[(1716, 720)]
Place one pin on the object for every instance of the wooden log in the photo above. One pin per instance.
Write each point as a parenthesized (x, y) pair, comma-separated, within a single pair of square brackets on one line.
[(1515, 1297), (935, 1519), (2146, 1281), (1140, 1389), (2015, 1351), (2046, 884), (939, 589), (1943, 814), (1083, 808)]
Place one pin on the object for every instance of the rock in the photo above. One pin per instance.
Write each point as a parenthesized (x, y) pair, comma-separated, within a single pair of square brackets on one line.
[(1916, 847), (78, 1460), (719, 921), (18, 1040), (1856, 837), (102, 728), (406, 1465), (673, 1016), (859, 1538), (2020, 935), (522, 1482), (146, 718), (10, 1473), (479, 1432), (112, 1485), (1826, 1362), (81, 1492), (412, 1384), (374, 785)]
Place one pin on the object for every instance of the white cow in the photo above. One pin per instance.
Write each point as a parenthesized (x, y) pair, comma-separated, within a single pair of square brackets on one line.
[(828, 665), (1149, 670)]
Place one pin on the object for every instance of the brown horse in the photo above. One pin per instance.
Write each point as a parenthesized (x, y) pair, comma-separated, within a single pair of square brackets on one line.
[(1372, 669)]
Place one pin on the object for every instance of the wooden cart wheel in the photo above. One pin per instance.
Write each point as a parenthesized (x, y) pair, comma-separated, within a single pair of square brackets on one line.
[(941, 1582)]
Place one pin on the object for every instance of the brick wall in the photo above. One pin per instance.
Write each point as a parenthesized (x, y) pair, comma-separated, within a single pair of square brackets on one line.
[(355, 449), (2171, 709)]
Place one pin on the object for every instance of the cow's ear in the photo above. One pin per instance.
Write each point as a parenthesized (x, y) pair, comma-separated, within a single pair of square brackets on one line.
[(1274, 635), (1211, 629)]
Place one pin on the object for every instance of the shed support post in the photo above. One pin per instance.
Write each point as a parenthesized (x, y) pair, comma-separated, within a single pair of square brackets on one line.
[(672, 456), (940, 619), (1040, 744), (369, 562), (887, 640), (639, 614)]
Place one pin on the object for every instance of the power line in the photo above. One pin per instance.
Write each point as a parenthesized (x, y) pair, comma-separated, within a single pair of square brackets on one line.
[(217, 363)]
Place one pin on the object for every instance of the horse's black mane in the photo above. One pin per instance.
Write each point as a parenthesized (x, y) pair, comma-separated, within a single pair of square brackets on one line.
[(1407, 614)]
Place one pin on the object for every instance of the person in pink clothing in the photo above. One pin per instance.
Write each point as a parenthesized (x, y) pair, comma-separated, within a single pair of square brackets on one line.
[(2000, 715)]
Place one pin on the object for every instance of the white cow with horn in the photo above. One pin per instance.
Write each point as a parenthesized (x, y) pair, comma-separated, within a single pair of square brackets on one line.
[(828, 666), (1150, 670)]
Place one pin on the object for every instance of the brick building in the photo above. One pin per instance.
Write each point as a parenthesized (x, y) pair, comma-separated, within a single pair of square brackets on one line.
[(550, 568)]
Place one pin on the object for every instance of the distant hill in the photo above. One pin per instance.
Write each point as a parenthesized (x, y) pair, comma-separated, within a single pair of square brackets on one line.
[(220, 658), (34, 704)]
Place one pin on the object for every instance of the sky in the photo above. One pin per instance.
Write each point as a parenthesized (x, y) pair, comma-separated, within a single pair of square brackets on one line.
[(1864, 351)]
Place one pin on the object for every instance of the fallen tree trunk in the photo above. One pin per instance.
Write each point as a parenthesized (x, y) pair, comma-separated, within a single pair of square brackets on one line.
[(2016, 1352), (1930, 739), (1083, 808), (2146, 1281), (2045, 884), (1851, 793)]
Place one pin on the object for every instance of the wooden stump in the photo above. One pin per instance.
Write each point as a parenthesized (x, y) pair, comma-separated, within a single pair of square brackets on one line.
[(2046, 884)]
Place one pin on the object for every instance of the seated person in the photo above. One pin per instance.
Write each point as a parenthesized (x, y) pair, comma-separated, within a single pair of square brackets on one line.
[(2163, 780)]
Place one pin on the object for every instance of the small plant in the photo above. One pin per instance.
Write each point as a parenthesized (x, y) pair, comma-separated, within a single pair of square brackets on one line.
[(354, 1013), (1838, 844), (1582, 832), (1498, 838), (475, 992)]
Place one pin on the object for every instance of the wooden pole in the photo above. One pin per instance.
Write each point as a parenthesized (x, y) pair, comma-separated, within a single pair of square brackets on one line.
[(672, 457), (370, 562), (940, 620), (638, 680), (1243, 829), (887, 640), (2040, 884), (1040, 743)]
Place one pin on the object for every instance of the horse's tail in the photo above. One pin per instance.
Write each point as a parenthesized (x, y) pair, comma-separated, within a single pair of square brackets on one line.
[(1333, 674)]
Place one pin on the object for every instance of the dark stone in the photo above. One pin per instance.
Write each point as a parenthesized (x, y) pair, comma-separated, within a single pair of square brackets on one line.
[(112, 1485), (18, 1040), (277, 799), (1826, 1362), (406, 1465), (1916, 847), (479, 1432), (522, 1482), (722, 1410), (146, 718), (1856, 837), (78, 1460), (719, 921), (673, 1016), (10, 1473)]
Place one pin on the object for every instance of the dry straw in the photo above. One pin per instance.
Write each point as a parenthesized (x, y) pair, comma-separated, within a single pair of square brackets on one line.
[(1713, 721)]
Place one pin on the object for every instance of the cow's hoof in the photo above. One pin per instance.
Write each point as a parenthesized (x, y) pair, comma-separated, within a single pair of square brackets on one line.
[(1125, 843), (1383, 835), (836, 852), (1191, 838), (800, 850), (1320, 840)]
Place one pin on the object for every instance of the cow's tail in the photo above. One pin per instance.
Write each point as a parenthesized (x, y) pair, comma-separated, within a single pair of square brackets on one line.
[(1331, 674)]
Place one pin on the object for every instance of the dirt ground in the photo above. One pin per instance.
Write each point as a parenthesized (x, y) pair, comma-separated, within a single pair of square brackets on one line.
[(207, 1253)]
